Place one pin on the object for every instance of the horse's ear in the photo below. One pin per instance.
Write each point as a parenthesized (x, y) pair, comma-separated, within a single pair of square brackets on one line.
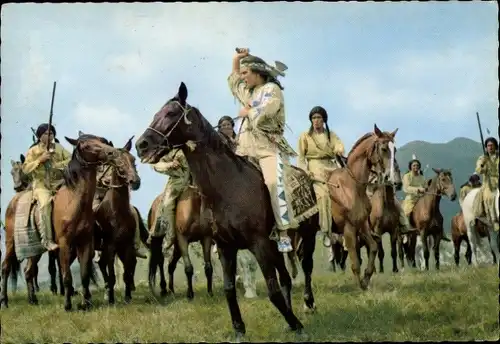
[(72, 141), (182, 94), (12, 162), (22, 158), (437, 170), (393, 134), (80, 133), (128, 145), (377, 131), (111, 144)]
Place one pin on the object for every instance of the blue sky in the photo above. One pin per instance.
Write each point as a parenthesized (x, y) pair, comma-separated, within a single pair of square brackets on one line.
[(425, 68)]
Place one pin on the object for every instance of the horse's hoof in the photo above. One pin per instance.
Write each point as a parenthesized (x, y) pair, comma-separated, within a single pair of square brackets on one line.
[(127, 300), (309, 309), (84, 306), (163, 293), (190, 296), (211, 294), (4, 305), (33, 302), (301, 335), (67, 307), (238, 337)]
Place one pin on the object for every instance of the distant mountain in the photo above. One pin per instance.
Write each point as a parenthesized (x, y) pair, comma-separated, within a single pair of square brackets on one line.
[(459, 155)]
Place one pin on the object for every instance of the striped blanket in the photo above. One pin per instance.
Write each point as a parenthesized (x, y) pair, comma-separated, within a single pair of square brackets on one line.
[(26, 237)]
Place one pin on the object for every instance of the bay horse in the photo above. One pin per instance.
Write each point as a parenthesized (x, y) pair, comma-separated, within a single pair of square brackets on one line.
[(244, 219), (116, 224), (426, 217), (192, 223), (459, 234), (69, 218)]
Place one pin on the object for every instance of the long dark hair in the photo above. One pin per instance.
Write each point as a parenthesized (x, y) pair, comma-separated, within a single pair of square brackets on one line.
[(230, 120), (321, 111)]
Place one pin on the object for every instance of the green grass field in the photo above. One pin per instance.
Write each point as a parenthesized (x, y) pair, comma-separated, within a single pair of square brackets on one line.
[(452, 304)]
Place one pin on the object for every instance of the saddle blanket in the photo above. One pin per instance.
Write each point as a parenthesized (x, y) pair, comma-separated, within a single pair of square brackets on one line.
[(296, 195), (27, 241)]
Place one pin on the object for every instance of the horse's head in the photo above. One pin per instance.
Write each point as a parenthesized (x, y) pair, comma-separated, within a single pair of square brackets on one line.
[(126, 169), (172, 126), (444, 183), (92, 150), (380, 153), (20, 179)]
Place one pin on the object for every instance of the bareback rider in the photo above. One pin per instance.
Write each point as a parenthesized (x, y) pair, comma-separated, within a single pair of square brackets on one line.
[(46, 155), (487, 167), (413, 187), (175, 165), (319, 149), (254, 83)]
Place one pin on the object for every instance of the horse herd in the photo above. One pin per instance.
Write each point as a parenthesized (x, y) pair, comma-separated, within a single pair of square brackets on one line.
[(235, 218)]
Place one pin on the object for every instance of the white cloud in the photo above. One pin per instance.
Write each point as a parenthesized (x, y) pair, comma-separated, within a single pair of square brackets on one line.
[(104, 120), (35, 72)]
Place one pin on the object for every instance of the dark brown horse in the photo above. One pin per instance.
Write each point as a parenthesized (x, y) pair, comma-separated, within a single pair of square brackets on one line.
[(192, 223), (69, 217), (116, 222), (244, 219), (426, 217)]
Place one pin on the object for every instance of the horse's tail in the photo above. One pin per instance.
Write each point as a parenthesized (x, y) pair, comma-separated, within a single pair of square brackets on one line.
[(143, 231), (155, 259)]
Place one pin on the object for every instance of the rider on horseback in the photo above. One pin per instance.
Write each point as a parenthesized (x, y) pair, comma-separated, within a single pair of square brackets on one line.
[(473, 182), (487, 167), (40, 161), (413, 187), (319, 149), (256, 87), (174, 164)]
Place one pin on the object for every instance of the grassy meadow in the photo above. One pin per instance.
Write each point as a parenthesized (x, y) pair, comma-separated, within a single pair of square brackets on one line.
[(452, 304)]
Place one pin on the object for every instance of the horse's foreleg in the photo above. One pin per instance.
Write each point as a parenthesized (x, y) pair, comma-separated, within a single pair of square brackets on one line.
[(381, 254), (352, 245), (401, 253), (494, 256), (85, 253), (7, 265), (292, 260), (372, 247), (207, 257), (103, 265), (394, 252), (188, 266), (425, 246), (52, 272), (227, 257), (456, 247), (30, 271), (110, 261), (309, 245), (172, 264), (437, 249), (129, 262), (473, 239), (35, 279)]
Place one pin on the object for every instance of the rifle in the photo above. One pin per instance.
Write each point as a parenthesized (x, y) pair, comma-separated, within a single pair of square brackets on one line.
[(481, 133), (47, 163)]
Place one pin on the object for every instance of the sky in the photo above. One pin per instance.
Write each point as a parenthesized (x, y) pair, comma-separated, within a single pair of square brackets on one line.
[(425, 68)]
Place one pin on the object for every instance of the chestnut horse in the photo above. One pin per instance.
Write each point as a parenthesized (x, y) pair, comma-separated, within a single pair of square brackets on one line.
[(116, 224), (192, 223), (70, 216), (244, 219), (21, 183), (427, 218)]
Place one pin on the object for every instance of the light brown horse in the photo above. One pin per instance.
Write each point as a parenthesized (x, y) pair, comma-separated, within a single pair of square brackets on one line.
[(459, 234), (192, 223), (116, 224), (426, 216), (70, 218), (351, 206)]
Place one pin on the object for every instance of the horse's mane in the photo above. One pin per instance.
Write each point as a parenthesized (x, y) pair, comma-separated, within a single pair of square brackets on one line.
[(357, 143), (219, 143), (73, 172)]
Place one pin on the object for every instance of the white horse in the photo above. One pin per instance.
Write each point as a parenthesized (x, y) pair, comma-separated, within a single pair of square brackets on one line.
[(475, 240)]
